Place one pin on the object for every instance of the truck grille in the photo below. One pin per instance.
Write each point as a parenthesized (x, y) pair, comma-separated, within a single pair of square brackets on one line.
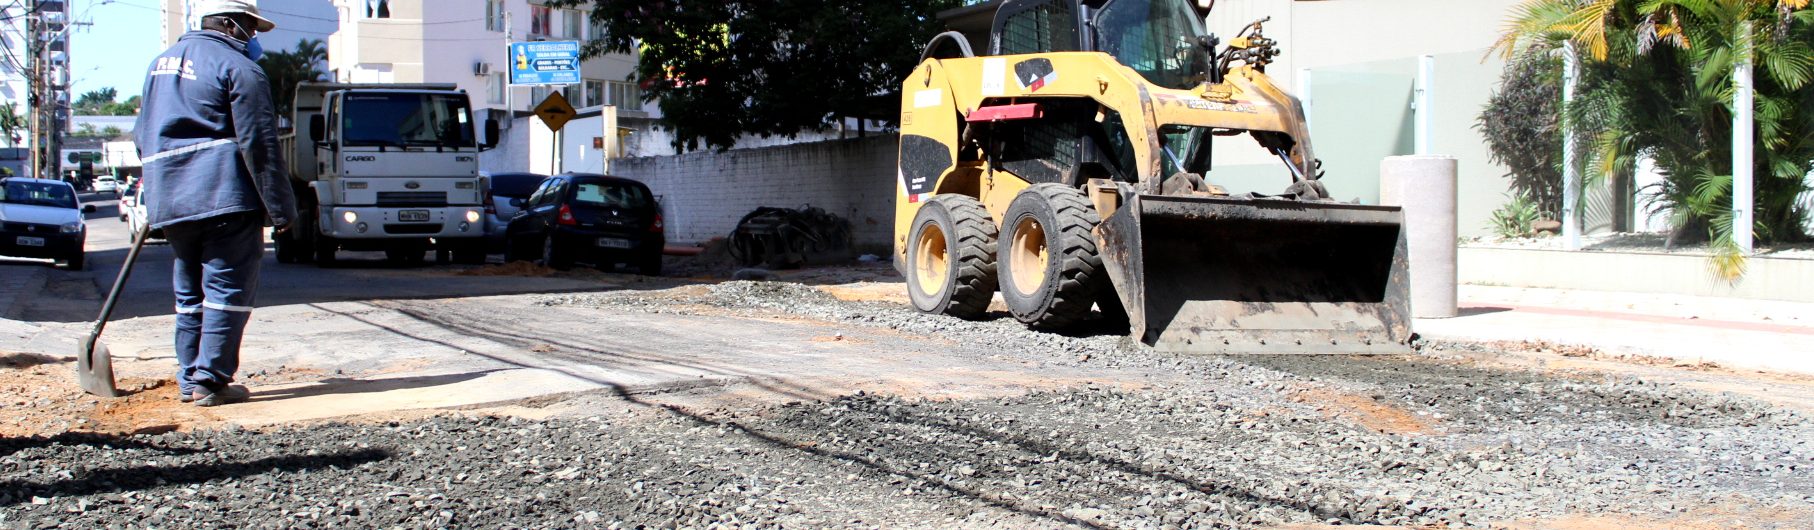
[(412, 198)]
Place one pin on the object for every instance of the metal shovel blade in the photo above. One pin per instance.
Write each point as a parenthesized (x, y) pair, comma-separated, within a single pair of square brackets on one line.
[(94, 367)]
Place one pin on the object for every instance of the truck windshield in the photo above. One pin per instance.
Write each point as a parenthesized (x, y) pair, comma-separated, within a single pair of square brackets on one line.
[(1157, 38), (407, 120)]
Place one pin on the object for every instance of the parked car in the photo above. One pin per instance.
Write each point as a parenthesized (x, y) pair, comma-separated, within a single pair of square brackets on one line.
[(107, 185), (43, 219), (133, 212), (506, 194), (586, 218)]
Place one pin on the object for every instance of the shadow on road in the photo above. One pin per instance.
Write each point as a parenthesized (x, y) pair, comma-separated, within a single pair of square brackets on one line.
[(339, 385), (145, 477)]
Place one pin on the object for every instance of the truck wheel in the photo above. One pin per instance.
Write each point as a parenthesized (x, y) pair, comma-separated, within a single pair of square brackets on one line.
[(286, 248), (325, 247), (1049, 266), (951, 257)]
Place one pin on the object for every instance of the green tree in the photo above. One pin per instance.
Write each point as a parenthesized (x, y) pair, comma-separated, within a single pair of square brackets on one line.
[(285, 70), (723, 70), (1657, 82), (12, 123), (95, 101), (1522, 123)]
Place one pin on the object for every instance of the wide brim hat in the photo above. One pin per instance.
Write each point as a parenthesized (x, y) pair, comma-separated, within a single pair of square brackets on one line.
[(246, 7)]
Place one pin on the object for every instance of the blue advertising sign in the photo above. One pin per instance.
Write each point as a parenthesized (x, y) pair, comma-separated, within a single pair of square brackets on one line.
[(544, 63)]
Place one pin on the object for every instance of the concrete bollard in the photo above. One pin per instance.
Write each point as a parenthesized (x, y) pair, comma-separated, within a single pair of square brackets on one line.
[(1424, 186)]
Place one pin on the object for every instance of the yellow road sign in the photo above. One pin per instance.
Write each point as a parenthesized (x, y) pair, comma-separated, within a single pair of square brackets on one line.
[(555, 111)]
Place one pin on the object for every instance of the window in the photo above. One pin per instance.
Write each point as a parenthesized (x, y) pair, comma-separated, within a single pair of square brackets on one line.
[(407, 120), (377, 9), (497, 88), (598, 29), (624, 95), (575, 21), (610, 195), (494, 15), (595, 93), (541, 20)]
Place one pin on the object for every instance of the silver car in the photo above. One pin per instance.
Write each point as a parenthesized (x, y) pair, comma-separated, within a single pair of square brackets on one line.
[(506, 193)]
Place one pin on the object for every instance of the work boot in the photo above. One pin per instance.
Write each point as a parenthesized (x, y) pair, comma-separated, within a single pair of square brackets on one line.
[(225, 396)]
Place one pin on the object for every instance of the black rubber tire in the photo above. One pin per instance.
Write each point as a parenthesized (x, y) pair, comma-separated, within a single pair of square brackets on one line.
[(1073, 270), (968, 282), (325, 248), (76, 261), (519, 249), (286, 248), (650, 265), (555, 257), (469, 253)]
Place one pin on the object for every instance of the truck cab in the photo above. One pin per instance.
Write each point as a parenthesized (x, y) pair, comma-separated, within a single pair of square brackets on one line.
[(386, 167)]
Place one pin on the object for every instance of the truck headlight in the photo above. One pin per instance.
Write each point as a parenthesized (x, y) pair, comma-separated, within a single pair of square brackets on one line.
[(350, 217), (472, 216), (73, 228)]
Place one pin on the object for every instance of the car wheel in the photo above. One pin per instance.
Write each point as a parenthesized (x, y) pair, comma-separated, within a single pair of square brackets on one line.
[(519, 249), (651, 264), (555, 255), (76, 261)]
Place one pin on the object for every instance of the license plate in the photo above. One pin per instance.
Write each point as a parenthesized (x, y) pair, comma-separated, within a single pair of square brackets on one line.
[(612, 242), (31, 241), (412, 216)]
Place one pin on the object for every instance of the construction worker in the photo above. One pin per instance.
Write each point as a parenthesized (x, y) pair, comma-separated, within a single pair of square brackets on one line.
[(214, 180)]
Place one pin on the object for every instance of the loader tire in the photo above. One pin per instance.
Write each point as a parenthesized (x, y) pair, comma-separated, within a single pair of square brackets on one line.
[(1050, 270), (951, 257)]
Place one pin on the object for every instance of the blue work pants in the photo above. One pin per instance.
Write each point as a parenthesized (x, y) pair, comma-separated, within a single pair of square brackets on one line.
[(215, 277)]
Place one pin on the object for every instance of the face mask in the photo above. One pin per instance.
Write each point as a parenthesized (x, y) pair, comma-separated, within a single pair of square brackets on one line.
[(254, 50)]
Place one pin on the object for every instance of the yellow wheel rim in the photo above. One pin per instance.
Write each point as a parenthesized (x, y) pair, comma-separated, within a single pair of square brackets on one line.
[(1028, 269), (931, 259)]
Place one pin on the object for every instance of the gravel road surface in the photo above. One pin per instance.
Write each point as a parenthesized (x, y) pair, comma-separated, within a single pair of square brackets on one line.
[(1206, 442)]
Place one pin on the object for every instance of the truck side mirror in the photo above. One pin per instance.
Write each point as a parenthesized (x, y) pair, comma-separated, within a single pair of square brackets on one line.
[(492, 133), (318, 128)]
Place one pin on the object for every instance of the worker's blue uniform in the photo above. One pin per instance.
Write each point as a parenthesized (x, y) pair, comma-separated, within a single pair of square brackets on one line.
[(214, 177)]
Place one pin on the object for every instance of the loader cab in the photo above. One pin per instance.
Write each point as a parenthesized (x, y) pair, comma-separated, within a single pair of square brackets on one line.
[(1164, 40)]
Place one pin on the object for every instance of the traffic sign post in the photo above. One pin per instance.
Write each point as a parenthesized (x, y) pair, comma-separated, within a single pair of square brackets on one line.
[(555, 112), (544, 63)]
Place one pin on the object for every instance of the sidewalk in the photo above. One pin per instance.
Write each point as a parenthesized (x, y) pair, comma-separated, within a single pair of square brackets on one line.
[(1730, 332)]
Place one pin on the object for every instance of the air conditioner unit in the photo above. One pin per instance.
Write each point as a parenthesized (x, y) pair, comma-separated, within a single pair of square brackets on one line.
[(481, 69)]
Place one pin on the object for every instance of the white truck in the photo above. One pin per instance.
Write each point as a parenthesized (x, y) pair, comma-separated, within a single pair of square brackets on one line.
[(390, 167)]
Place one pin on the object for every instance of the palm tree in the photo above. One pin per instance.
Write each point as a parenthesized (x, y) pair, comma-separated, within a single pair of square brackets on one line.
[(1656, 82), (287, 69)]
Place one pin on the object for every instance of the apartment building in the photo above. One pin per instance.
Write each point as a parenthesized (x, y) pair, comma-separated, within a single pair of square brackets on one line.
[(53, 27), (464, 42), (296, 20)]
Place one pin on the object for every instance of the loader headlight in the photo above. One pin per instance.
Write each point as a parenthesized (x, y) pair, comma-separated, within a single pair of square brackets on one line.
[(350, 217), (472, 216)]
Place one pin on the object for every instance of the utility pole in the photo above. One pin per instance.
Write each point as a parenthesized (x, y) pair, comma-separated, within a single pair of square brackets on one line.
[(1743, 167), (34, 85)]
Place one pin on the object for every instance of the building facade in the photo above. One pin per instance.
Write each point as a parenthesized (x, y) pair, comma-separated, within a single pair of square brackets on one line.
[(295, 19), (35, 59), (464, 42)]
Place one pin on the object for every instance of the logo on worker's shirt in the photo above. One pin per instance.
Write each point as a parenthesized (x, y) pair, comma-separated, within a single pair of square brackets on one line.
[(176, 66)]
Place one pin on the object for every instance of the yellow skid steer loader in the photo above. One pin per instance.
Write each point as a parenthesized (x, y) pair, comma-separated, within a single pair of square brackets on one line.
[(1069, 167)]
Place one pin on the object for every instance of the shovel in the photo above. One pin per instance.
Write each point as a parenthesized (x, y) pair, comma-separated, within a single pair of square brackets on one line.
[(94, 367)]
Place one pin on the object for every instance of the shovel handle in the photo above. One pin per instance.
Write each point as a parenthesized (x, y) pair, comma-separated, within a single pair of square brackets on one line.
[(119, 284)]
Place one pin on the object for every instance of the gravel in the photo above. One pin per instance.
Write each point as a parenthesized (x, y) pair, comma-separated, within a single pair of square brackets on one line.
[(1242, 442)]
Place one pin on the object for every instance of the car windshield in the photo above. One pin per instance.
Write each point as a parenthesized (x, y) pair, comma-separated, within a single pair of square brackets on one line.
[(407, 120), (610, 195), (38, 194), (1157, 38)]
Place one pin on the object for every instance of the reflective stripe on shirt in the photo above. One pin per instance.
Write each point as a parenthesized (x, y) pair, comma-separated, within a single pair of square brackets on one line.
[(186, 150)]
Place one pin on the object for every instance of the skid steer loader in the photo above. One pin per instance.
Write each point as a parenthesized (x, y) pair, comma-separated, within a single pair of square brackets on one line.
[(1069, 166)]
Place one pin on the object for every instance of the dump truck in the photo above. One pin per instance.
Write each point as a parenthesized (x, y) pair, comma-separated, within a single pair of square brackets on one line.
[(385, 167), (1068, 166)]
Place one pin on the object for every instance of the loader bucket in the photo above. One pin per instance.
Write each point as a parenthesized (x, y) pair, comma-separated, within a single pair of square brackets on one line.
[(1225, 275)]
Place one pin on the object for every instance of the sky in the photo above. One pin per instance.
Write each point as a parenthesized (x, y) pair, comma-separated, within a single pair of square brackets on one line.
[(127, 34)]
